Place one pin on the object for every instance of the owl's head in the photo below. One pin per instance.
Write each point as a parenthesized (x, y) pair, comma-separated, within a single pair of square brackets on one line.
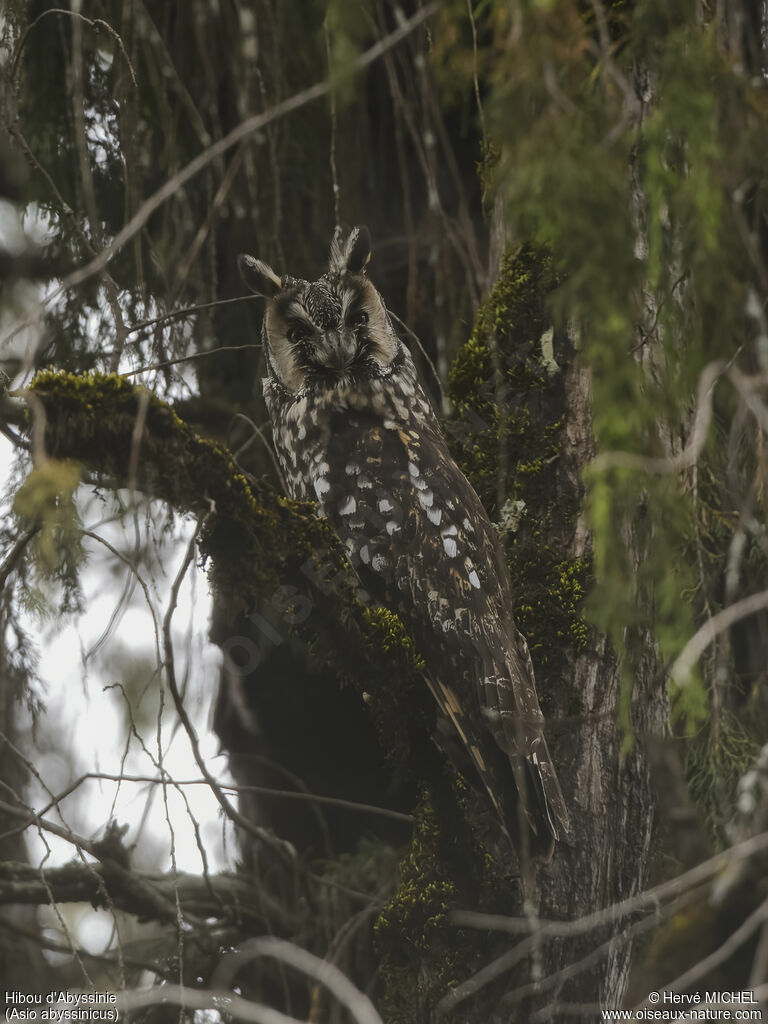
[(325, 332)]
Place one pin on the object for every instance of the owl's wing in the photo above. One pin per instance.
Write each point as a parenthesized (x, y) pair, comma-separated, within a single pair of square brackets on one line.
[(422, 544)]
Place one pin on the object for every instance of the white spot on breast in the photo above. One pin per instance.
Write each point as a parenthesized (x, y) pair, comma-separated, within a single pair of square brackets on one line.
[(302, 431), (392, 527), (468, 525), (474, 579), (450, 546), (379, 562), (352, 468), (321, 487), (426, 498), (365, 554), (434, 515), (413, 469), (384, 505), (348, 507), (390, 425), (449, 531)]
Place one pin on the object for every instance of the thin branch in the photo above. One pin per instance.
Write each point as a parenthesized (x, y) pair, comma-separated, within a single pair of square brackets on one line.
[(503, 963), (144, 894), (476, 80), (194, 999), (688, 456), (283, 794), (248, 127), (693, 650), (707, 871), (232, 813), (422, 350), (178, 314), (706, 966), (14, 555), (357, 1003), (58, 947), (86, 183), (92, 22), (269, 448), (147, 596), (189, 359)]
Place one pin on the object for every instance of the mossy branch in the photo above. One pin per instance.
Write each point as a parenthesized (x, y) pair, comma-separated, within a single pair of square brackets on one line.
[(151, 897), (261, 549)]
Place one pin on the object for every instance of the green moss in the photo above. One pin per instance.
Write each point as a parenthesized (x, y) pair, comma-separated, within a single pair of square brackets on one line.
[(417, 945), (505, 359), (387, 633), (448, 866)]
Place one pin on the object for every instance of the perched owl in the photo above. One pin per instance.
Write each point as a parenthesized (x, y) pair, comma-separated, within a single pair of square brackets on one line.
[(355, 432)]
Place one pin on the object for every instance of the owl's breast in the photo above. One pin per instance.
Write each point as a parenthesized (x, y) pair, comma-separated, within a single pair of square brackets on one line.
[(308, 424)]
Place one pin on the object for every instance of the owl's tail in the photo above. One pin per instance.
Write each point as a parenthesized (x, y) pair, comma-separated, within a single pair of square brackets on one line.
[(545, 808)]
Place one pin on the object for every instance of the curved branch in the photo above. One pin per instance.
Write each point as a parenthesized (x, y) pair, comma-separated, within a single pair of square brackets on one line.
[(148, 896)]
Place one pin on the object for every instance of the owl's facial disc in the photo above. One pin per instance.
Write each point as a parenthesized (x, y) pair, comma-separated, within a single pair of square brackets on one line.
[(325, 332)]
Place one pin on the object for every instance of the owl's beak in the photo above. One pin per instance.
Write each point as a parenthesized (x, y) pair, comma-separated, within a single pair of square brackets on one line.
[(338, 358)]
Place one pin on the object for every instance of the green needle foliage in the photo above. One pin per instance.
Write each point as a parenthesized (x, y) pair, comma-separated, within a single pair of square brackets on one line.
[(629, 138)]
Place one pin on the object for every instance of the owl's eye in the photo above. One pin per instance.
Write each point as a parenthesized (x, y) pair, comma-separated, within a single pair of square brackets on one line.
[(360, 319), (298, 332)]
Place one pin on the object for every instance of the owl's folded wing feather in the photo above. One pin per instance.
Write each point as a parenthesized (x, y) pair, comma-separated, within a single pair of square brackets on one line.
[(423, 545)]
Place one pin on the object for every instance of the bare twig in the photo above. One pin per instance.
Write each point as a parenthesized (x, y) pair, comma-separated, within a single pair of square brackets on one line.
[(476, 80), (357, 1003), (257, 432), (189, 359), (248, 127), (232, 813), (194, 999), (283, 794), (334, 130), (146, 894), (688, 456), (93, 22), (707, 965), (86, 182), (693, 650), (141, 891), (422, 350), (178, 314), (14, 555), (706, 871), (147, 596)]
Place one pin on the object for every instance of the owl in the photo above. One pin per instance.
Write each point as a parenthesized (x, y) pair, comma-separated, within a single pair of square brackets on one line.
[(355, 433)]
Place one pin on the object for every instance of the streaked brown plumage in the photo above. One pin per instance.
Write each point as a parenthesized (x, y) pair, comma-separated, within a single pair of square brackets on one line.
[(355, 432)]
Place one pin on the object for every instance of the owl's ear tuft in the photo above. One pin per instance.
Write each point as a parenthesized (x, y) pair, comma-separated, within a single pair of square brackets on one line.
[(258, 276), (352, 256), (357, 251)]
